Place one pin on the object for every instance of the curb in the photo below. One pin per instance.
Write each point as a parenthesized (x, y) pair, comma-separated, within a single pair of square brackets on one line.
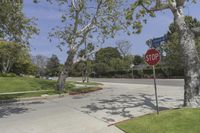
[(84, 92), (2, 102), (32, 98)]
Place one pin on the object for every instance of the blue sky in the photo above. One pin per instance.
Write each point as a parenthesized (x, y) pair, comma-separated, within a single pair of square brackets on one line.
[(49, 16)]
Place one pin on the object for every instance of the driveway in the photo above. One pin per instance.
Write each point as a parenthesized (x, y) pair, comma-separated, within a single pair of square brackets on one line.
[(88, 113)]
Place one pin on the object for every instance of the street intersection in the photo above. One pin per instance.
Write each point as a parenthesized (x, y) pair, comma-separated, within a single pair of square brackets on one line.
[(94, 112)]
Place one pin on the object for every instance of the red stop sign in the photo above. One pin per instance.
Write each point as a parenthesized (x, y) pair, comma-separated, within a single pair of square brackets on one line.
[(152, 56)]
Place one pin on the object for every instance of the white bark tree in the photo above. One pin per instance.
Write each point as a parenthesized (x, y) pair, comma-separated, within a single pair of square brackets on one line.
[(9, 54), (124, 47), (187, 42), (86, 55), (81, 18)]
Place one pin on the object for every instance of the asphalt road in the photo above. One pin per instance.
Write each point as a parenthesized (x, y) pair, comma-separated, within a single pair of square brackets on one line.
[(164, 82)]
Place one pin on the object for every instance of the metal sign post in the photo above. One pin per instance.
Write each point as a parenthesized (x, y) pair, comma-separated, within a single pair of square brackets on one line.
[(156, 95), (152, 57)]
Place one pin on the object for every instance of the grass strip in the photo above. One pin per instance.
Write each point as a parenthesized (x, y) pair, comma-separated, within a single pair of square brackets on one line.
[(184, 120)]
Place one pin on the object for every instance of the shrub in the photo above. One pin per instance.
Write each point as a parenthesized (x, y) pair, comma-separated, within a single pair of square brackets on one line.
[(8, 75), (69, 86)]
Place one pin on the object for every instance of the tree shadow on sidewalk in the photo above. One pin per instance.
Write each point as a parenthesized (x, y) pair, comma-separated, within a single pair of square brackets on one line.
[(123, 105), (15, 108)]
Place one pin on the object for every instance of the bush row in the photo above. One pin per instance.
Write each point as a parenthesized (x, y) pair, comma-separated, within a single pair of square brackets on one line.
[(8, 75), (146, 73)]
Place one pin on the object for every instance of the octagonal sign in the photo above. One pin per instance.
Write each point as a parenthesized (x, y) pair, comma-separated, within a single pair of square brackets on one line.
[(152, 57)]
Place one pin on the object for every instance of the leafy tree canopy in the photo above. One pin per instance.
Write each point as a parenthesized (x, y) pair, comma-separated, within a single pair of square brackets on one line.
[(138, 60), (106, 54), (14, 25), (14, 58), (53, 66)]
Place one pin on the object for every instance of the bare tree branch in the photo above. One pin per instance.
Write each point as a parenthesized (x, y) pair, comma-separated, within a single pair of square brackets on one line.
[(85, 57), (158, 6), (88, 26), (76, 21), (73, 4), (180, 2), (93, 21), (80, 5)]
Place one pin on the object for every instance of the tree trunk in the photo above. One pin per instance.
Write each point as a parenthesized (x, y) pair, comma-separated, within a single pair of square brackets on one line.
[(87, 76), (83, 76), (6, 65), (86, 72), (65, 72), (190, 59)]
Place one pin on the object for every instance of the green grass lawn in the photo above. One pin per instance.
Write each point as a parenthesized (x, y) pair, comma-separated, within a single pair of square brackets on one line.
[(172, 121), (21, 84), (25, 95), (16, 84)]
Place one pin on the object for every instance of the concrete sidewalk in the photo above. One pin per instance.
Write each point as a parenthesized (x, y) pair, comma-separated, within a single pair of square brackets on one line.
[(49, 117)]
